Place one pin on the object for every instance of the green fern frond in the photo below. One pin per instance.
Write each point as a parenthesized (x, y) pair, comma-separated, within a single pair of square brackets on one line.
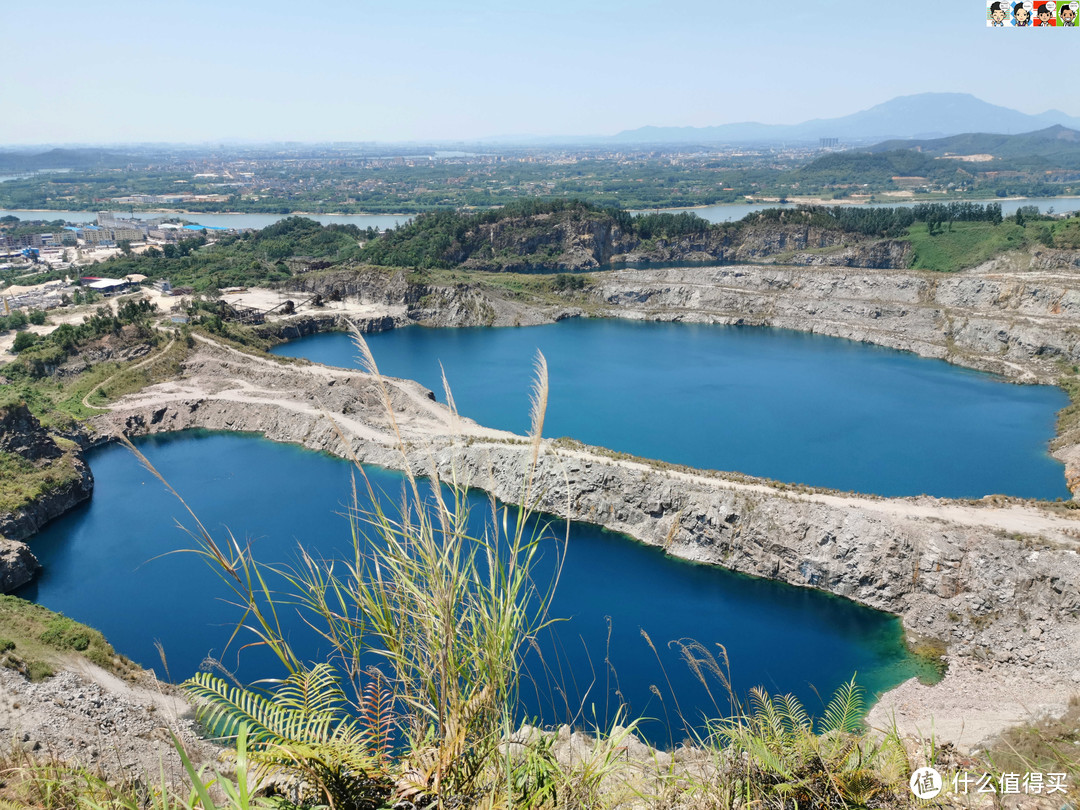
[(845, 710), (794, 714), (224, 708), (316, 691)]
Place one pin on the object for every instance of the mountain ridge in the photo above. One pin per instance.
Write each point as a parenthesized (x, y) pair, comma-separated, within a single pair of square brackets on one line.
[(923, 115)]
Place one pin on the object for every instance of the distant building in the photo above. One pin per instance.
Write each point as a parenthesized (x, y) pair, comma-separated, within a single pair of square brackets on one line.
[(108, 286), (127, 233), (93, 235), (828, 143)]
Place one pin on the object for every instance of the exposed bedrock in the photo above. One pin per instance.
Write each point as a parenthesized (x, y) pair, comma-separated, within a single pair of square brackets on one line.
[(53, 477), (995, 318), (1016, 315)]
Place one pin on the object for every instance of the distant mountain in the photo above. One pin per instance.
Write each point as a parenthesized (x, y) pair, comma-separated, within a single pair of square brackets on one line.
[(944, 160), (1055, 139), (25, 161), (926, 115)]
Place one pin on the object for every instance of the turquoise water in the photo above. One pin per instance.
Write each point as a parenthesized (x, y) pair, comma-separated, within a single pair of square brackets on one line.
[(786, 405), (109, 564)]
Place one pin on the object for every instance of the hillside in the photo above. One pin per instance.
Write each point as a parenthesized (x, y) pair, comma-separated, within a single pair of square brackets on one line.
[(967, 161), (568, 236)]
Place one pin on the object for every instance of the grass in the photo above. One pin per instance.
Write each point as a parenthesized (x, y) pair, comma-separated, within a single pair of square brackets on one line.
[(36, 640), (135, 376), (968, 244), (22, 482)]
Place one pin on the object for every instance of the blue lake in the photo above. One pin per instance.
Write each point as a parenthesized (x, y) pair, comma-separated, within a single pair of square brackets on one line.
[(109, 564), (785, 405)]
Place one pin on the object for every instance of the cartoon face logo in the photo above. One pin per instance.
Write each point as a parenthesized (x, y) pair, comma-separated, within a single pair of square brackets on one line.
[(1021, 14), (1067, 13), (998, 13)]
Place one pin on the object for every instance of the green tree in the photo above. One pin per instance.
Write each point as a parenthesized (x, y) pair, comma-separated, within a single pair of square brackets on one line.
[(23, 340)]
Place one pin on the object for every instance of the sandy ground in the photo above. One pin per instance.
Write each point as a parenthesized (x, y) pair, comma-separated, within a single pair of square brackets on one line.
[(264, 299), (971, 705)]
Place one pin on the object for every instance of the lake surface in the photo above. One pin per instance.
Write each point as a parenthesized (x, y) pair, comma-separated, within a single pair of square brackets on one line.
[(109, 564), (786, 405)]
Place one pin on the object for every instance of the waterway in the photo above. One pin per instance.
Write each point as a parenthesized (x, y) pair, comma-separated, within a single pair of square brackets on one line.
[(786, 405), (110, 563), (712, 213), (379, 221)]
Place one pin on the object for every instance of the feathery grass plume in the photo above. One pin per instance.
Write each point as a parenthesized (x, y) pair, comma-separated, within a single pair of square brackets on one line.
[(538, 400), (450, 404), (438, 618)]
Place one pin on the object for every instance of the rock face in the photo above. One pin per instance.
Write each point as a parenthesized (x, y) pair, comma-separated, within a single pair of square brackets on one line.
[(593, 239), (996, 318), (18, 565), (22, 435), (1016, 316)]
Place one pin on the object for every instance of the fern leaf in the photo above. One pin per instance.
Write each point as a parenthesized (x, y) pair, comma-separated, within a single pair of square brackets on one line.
[(845, 710)]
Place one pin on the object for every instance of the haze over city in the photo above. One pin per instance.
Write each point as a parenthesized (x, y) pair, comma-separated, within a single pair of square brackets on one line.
[(445, 71)]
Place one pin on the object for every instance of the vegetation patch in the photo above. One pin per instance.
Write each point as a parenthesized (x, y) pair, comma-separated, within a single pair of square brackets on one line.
[(23, 481), (37, 640), (932, 653), (966, 244)]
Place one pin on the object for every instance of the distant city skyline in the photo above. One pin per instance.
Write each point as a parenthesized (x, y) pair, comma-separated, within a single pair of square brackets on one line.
[(447, 71)]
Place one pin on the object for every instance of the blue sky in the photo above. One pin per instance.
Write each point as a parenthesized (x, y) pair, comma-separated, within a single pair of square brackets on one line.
[(321, 70)]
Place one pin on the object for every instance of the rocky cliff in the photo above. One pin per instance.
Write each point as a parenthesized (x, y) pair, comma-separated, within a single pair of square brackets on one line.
[(46, 476), (565, 235), (1018, 315), (1002, 317), (518, 245)]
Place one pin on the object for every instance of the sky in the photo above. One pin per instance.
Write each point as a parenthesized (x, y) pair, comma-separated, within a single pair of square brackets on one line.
[(447, 70)]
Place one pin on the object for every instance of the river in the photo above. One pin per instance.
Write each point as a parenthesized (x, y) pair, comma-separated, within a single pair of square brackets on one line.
[(712, 213)]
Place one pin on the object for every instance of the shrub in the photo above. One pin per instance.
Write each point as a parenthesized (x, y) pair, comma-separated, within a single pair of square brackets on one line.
[(23, 341)]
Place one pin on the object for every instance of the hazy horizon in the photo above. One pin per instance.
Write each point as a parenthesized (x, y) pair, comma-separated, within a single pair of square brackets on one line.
[(450, 72)]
